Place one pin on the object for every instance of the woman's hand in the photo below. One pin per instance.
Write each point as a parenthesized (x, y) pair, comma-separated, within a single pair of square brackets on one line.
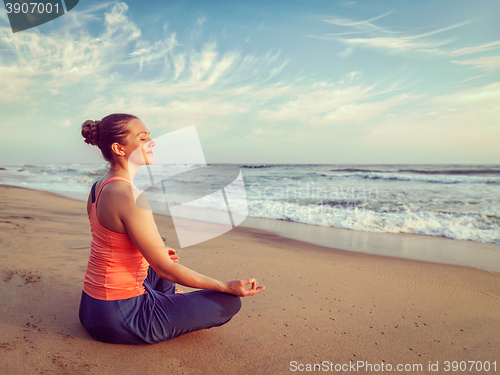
[(171, 254), (237, 287)]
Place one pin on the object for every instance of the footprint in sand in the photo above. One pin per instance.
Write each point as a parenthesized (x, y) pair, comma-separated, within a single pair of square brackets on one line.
[(28, 276)]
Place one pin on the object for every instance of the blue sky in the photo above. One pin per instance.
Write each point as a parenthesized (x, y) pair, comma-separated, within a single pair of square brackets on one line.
[(264, 82)]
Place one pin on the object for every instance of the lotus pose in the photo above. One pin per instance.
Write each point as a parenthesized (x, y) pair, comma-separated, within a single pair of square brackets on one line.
[(128, 293)]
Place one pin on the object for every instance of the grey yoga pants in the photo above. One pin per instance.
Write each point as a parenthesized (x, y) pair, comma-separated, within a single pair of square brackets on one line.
[(157, 315)]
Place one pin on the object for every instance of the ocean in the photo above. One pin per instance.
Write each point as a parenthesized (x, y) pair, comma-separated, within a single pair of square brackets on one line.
[(452, 201)]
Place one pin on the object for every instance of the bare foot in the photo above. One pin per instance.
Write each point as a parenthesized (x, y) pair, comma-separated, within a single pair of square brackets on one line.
[(179, 291)]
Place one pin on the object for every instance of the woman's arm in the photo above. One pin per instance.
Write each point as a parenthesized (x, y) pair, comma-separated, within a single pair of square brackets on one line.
[(142, 229)]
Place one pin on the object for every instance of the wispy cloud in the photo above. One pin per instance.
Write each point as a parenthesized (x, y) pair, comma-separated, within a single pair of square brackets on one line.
[(475, 77), (146, 53), (395, 41), (356, 113), (443, 124), (201, 21), (359, 26), (76, 19), (203, 109), (326, 104), (3, 15), (465, 50), (118, 26), (488, 63), (405, 43), (346, 52), (259, 132), (394, 44), (69, 57), (481, 48)]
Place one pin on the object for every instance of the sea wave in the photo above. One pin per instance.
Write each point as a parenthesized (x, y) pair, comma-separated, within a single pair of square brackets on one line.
[(407, 176), (461, 203), (257, 166), (453, 171), (476, 227)]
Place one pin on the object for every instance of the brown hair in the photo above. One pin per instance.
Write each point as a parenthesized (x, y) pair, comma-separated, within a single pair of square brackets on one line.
[(104, 133)]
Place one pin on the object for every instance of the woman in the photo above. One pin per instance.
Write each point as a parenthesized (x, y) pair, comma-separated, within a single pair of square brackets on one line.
[(129, 294)]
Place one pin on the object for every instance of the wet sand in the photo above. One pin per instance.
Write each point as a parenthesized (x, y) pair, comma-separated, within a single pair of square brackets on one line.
[(321, 305)]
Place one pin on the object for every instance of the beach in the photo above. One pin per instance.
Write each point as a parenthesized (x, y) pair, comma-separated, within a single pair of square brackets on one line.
[(322, 308)]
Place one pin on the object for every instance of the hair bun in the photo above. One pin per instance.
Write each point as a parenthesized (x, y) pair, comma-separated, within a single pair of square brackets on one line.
[(90, 131)]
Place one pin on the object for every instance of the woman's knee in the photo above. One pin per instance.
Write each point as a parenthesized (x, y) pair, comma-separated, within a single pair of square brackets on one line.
[(228, 304), (232, 305), (237, 304)]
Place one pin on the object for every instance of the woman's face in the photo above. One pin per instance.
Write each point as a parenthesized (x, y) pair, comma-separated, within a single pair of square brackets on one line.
[(138, 144)]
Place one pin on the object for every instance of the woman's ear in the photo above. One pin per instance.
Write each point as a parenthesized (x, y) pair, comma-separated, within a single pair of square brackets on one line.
[(118, 149)]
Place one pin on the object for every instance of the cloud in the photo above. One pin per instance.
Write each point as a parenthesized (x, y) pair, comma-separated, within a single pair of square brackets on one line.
[(481, 48), (346, 52), (196, 33), (118, 26), (201, 63), (88, 64), (467, 121), (76, 19), (3, 15), (392, 41), (488, 63), (485, 97), (65, 123), (146, 53), (203, 109), (190, 72), (201, 21), (350, 77), (193, 73), (325, 104), (15, 82), (475, 77), (404, 43), (66, 57), (266, 93), (394, 44), (465, 50), (356, 113), (315, 102), (67, 75), (259, 132), (360, 26)]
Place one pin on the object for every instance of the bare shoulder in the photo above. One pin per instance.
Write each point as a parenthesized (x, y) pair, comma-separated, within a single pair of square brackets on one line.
[(115, 195), (124, 196)]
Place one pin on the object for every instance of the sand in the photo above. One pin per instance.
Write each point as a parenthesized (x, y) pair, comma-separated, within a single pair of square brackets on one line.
[(321, 306)]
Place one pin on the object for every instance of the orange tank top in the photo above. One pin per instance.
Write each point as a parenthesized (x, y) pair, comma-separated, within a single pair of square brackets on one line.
[(116, 268)]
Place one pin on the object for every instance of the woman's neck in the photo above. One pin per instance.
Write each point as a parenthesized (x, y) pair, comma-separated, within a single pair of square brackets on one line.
[(124, 169)]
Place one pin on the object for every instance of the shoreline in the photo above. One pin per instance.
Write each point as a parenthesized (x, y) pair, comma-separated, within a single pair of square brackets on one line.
[(432, 249)]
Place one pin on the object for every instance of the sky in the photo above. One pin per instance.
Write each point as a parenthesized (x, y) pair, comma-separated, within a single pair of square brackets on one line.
[(264, 82)]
